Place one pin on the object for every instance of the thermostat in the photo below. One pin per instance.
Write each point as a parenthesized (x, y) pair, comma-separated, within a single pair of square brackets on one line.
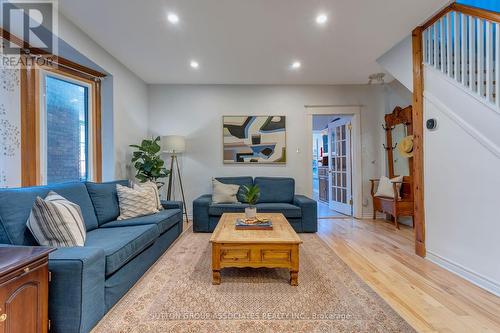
[(431, 124)]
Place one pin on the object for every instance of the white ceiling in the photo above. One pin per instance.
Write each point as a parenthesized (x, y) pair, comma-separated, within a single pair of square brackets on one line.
[(249, 41), (321, 121)]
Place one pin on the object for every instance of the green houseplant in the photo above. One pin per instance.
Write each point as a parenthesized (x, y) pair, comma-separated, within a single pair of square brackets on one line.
[(251, 195), (148, 163)]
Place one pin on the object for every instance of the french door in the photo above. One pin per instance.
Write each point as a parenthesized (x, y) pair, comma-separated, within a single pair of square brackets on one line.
[(340, 166)]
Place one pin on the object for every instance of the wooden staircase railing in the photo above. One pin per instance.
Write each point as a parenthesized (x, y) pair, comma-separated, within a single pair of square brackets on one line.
[(443, 42), (463, 43)]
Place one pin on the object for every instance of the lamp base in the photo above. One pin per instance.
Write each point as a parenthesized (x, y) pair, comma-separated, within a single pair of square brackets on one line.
[(171, 180)]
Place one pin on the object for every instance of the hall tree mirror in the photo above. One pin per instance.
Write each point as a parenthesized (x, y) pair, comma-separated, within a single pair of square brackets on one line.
[(398, 201), (401, 163)]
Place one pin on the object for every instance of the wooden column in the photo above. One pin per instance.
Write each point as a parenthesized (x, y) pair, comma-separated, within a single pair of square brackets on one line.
[(418, 144)]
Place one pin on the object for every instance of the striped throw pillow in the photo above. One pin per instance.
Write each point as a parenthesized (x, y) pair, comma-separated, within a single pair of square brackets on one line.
[(135, 202), (55, 221), (153, 188)]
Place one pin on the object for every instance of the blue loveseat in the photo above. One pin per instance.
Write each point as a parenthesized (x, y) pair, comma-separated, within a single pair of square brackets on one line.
[(277, 195), (87, 281)]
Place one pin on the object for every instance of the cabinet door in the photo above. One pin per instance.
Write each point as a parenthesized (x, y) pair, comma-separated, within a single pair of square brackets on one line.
[(23, 303)]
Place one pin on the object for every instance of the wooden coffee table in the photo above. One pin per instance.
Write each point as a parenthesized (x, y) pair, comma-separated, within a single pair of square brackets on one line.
[(277, 248)]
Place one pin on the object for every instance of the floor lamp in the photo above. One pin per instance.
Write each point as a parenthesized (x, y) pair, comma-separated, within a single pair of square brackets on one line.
[(175, 145)]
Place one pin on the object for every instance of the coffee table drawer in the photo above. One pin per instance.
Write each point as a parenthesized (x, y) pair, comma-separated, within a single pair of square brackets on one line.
[(236, 254), (275, 255)]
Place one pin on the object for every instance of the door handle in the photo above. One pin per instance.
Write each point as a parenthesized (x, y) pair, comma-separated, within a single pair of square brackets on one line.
[(3, 317)]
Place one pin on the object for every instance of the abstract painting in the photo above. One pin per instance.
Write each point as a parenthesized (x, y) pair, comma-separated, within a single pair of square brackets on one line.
[(254, 139)]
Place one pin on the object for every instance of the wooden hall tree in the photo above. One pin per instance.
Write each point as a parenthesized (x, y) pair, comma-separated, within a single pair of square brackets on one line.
[(402, 203)]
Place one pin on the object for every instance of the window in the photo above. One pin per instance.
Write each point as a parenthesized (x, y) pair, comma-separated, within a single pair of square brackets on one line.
[(483, 4), (60, 124), (65, 129)]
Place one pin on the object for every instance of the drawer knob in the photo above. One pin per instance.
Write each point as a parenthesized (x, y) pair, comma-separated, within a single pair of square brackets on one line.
[(3, 317), (26, 269)]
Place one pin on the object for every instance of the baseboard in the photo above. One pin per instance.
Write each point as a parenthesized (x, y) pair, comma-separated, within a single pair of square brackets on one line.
[(469, 275)]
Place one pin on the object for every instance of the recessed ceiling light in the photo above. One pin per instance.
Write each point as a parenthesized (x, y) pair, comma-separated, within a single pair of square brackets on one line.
[(194, 64), (296, 65), (321, 19), (173, 18)]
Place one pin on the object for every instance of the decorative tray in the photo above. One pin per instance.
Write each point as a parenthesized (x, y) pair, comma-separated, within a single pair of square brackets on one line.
[(254, 224)]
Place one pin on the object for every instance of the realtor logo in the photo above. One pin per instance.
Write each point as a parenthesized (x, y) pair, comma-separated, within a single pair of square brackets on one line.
[(34, 22)]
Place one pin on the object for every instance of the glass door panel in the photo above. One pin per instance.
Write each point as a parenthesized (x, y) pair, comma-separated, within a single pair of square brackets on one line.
[(339, 136), (65, 130)]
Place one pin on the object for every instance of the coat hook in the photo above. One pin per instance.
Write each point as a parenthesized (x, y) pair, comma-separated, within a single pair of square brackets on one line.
[(390, 148)]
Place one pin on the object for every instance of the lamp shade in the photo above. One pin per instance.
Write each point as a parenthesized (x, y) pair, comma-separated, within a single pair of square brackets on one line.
[(173, 144)]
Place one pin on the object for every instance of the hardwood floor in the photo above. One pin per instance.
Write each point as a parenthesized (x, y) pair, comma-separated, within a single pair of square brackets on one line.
[(429, 297)]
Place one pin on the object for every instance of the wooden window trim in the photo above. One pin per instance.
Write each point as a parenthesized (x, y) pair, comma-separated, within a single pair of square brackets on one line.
[(30, 126), (63, 62)]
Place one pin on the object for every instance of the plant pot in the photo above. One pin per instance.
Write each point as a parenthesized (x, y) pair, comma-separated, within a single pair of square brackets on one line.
[(251, 212)]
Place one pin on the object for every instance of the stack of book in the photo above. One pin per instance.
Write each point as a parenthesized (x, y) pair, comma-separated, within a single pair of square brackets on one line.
[(254, 224)]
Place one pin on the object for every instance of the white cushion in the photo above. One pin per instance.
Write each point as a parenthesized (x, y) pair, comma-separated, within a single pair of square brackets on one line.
[(385, 188), (135, 202), (153, 188), (224, 193), (55, 221)]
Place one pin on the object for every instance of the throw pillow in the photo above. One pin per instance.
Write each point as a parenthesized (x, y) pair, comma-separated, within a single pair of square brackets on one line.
[(224, 193), (135, 203), (55, 221), (155, 193), (385, 188)]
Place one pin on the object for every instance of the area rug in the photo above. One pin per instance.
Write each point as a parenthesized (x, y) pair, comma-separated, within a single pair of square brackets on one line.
[(177, 295)]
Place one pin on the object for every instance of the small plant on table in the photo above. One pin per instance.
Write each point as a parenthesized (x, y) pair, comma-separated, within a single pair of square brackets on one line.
[(251, 195)]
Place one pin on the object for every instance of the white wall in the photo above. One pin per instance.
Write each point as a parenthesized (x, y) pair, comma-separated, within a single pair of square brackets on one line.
[(398, 62), (461, 187), (397, 95), (128, 118), (10, 128), (465, 105), (196, 111)]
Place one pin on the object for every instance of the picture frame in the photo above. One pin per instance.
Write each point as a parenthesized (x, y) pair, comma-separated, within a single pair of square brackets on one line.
[(254, 139)]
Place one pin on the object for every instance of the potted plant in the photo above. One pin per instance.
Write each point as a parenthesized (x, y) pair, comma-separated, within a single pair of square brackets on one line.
[(250, 195), (148, 162)]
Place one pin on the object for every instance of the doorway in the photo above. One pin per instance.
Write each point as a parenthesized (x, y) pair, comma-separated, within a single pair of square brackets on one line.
[(332, 165), (336, 160)]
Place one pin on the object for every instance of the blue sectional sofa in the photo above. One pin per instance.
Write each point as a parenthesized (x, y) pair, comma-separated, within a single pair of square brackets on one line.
[(277, 195), (87, 281)]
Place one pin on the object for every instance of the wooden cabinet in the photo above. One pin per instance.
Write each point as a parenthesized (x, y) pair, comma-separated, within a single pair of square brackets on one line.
[(323, 183), (24, 279)]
